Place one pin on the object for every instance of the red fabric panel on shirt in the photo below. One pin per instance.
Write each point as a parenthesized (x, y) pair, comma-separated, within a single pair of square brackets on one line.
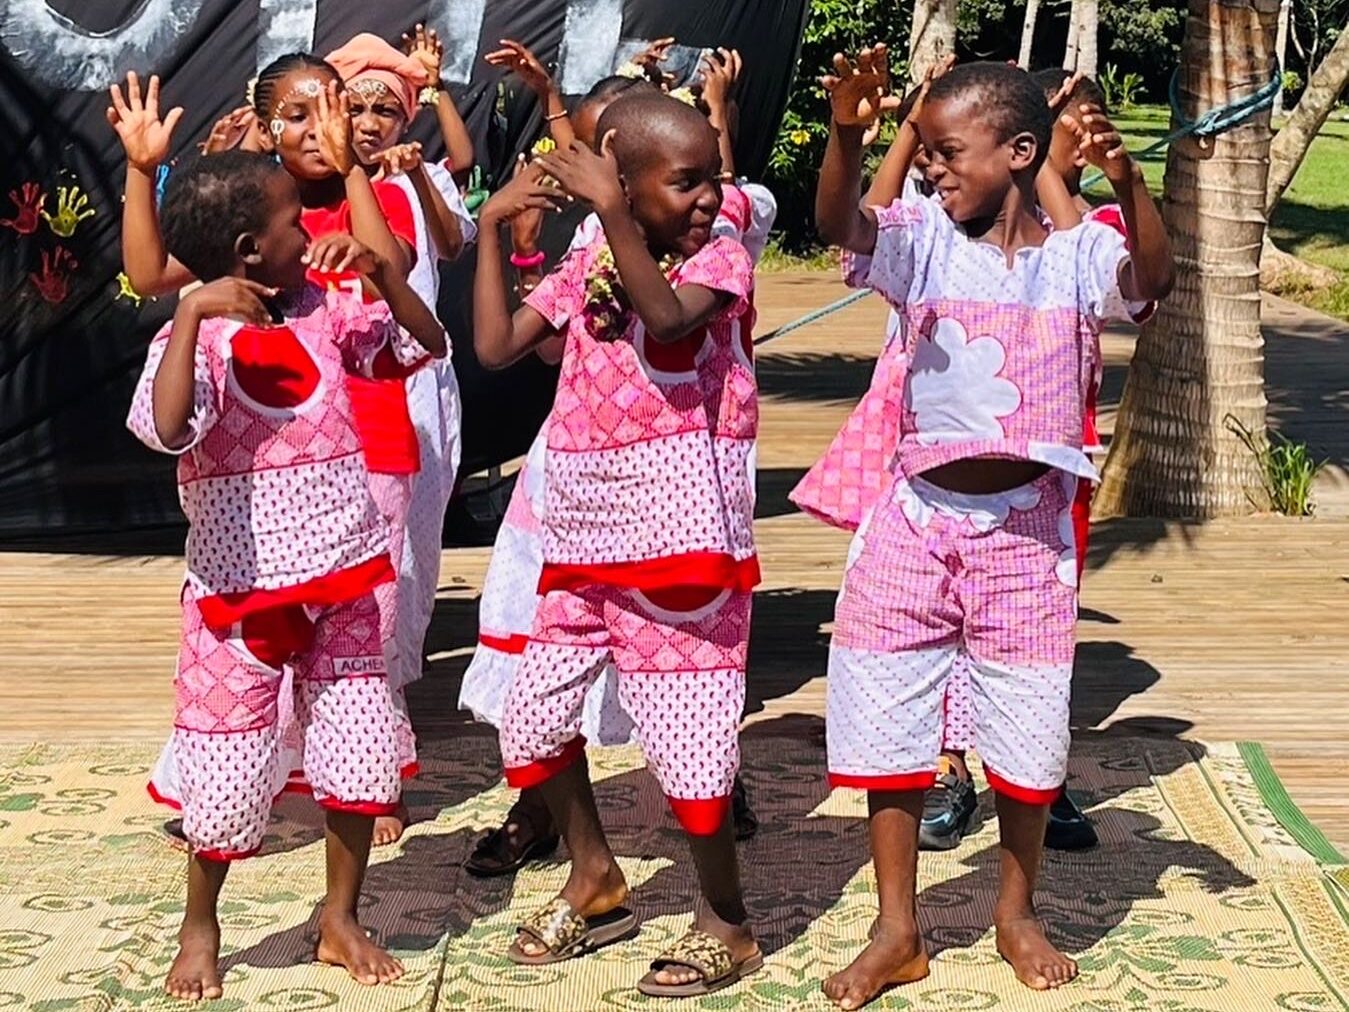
[(388, 437), (379, 406), (272, 367), (324, 221), (693, 569)]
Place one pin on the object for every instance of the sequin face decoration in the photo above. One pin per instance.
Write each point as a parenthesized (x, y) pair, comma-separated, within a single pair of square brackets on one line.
[(305, 88), (369, 88)]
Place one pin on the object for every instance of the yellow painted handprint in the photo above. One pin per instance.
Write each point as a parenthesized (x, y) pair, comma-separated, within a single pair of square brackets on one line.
[(72, 207)]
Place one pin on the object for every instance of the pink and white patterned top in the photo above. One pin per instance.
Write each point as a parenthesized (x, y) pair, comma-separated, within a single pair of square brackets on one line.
[(1000, 358), (648, 479), (272, 479)]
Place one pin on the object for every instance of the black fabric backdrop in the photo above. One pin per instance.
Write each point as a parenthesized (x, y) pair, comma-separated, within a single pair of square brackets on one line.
[(71, 347)]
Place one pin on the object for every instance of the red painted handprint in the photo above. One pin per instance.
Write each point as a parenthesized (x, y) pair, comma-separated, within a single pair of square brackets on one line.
[(29, 200), (53, 283)]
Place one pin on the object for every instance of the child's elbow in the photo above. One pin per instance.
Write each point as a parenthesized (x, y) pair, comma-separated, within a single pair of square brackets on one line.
[(490, 354)]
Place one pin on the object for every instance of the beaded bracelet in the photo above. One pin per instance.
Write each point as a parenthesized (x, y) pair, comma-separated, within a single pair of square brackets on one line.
[(528, 262)]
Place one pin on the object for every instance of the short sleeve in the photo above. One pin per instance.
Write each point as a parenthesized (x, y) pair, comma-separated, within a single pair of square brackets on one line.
[(397, 208), (561, 293), (763, 214), (1100, 256), (141, 418), (454, 200), (372, 343), (1113, 216), (889, 269), (586, 233), (723, 265), (732, 219)]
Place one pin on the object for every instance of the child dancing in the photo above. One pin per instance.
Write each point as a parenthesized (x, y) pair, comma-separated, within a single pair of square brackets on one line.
[(383, 84), (647, 531), (285, 547), (969, 543)]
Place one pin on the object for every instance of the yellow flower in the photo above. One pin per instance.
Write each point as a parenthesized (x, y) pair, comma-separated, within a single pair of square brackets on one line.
[(799, 137), (544, 145), (684, 95)]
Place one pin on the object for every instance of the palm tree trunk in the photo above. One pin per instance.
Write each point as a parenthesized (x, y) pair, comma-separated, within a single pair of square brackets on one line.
[(1028, 34), (932, 36), (1070, 52), (1290, 146), (1201, 358), (1083, 33)]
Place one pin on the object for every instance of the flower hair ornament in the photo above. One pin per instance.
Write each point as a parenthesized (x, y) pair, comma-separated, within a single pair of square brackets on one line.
[(369, 88), (606, 304), (684, 95)]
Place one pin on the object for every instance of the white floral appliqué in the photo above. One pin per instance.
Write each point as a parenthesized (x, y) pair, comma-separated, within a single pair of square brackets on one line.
[(954, 389)]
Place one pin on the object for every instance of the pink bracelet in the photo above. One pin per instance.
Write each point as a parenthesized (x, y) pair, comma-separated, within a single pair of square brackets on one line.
[(527, 262)]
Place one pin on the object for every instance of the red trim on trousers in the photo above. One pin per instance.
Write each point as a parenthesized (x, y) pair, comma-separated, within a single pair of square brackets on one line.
[(886, 781), (359, 807), (515, 643), (542, 770), (1026, 795), (701, 816), (159, 799), (690, 569), (220, 611), (225, 856)]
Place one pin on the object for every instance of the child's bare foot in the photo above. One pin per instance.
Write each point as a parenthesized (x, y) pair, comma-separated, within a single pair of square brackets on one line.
[(389, 828), (895, 955), (342, 942), (195, 973), (589, 893), (1038, 965)]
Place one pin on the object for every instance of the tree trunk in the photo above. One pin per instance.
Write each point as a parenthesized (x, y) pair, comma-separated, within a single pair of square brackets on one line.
[(932, 36), (1028, 34), (1201, 358), (1290, 147), (1281, 50), (1070, 53)]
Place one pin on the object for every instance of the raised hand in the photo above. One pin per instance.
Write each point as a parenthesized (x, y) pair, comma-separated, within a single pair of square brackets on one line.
[(856, 90), (938, 70), (339, 253), (1099, 142), (528, 224), (720, 72), (230, 296), (424, 46), (53, 281), (655, 53), (233, 130), (400, 158), (28, 201), (144, 136), (334, 128), (527, 192), (518, 59), (587, 176), (1065, 91), (72, 207)]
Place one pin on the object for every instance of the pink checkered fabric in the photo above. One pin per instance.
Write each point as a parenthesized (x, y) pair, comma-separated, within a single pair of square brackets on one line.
[(941, 586), (655, 438)]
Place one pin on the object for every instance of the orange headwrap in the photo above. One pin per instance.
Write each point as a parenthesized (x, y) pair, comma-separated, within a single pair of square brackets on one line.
[(368, 57)]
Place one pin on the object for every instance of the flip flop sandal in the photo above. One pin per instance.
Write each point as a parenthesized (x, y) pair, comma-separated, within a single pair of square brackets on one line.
[(567, 935), (494, 855), (707, 955)]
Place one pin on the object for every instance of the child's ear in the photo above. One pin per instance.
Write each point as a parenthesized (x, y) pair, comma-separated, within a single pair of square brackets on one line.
[(247, 249), (1024, 149)]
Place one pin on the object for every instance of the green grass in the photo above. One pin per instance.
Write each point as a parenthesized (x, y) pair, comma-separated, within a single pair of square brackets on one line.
[(1312, 220)]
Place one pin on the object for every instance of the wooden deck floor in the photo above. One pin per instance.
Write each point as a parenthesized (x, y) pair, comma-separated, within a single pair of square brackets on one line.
[(1231, 630)]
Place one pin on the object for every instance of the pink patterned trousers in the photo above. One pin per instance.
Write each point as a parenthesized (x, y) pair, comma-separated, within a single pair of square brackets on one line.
[(937, 580), (226, 742), (680, 660)]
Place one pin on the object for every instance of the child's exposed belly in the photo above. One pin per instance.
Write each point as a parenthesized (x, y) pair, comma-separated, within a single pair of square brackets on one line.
[(984, 475)]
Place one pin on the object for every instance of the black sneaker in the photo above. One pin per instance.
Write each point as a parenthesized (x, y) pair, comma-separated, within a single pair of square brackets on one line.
[(1068, 827), (947, 810)]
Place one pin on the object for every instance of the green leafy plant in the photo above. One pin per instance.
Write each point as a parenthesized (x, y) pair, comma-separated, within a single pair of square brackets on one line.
[(1122, 91), (1287, 470)]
